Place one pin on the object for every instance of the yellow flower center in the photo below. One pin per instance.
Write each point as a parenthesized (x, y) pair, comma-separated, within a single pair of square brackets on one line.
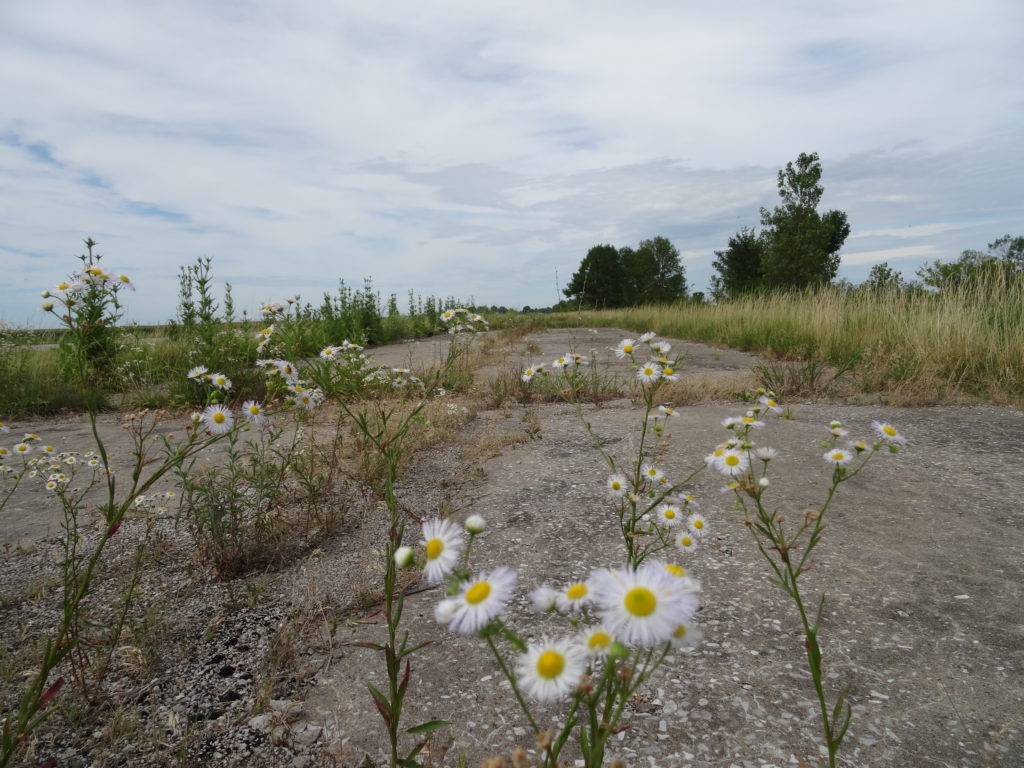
[(640, 601), (680, 631), (772, 404), (670, 514), (434, 548), (599, 640), (698, 524), (628, 349), (889, 431), (576, 591), (686, 541), (669, 371), (675, 570), (218, 417), (254, 410), (616, 485), (478, 592), (837, 456), (550, 664), (124, 279), (648, 371), (732, 460)]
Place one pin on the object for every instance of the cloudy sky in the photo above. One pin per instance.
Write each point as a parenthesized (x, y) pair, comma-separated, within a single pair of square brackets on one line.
[(478, 149)]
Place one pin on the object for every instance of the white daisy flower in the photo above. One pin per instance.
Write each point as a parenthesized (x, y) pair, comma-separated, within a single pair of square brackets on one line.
[(667, 410), (770, 404), (444, 611), (253, 412), (838, 456), (661, 347), (687, 636), (732, 462), (574, 597), (22, 448), (697, 524), (329, 353), (888, 433), (561, 362), (642, 606), (48, 449), (218, 419), (475, 524), (838, 431), (749, 421), (624, 349), (443, 541), (551, 669), (482, 599), (447, 315), (766, 454), (220, 381), (669, 373), (651, 472), (649, 372), (529, 373), (647, 336), (668, 515), (596, 641), (617, 484), (859, 445), (544, 598), (686, 541)]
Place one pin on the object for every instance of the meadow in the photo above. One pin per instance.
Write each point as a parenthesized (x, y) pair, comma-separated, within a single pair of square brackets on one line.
[(222, 462)]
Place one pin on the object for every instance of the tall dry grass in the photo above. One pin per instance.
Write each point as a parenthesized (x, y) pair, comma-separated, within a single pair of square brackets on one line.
[(916, 345)]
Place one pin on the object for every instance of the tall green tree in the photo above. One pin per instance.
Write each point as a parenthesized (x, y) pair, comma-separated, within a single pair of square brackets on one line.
[(601, 280), (801, 245), (738, 266), (656, 271)]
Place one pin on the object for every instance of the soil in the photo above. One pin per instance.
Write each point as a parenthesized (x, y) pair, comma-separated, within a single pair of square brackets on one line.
[(921, 569)]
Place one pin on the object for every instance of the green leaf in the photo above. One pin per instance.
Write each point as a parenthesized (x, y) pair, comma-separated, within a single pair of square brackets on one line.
[(427, 727)]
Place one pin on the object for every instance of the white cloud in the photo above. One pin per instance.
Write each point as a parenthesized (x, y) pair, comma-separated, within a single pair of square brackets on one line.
[(475, 149), (885, 254)]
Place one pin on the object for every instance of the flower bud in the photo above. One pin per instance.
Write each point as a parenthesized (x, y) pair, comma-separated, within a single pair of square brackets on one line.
[(763, 482), (403, 557), (47, 306), (45, 294), (475, 524), (444, 611)]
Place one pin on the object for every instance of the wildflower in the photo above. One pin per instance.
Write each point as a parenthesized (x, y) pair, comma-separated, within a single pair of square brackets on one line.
[(661, 347), (220, 381), (475, 524), (308, 400), (667, 410), (888, 433), (444, 611), (551, 669), (624, 349), (766, 454), (837, 431), (443, 541), (642, 606), (447, 315), (328, 353), (4, 427), (124, 282), (48, 449), (668, 515), (763, 482), (530, 372), (22, 448), (139, 501), (669, 373), (253, 412), (403, 557), (482, 599), (46, 306), (52, 485), (838, 456), (697, 524), (685, 541), (574, 597), (651, 472), (859, 446), (645, 337), (597, 641), (617, 484), (70, 460), (218, 419), (561, 362), (649, 372), (770, 404), (732, 462), (749, 422), (686, 636), (544, 598)]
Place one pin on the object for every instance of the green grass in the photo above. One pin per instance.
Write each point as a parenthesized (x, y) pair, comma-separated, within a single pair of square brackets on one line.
[(919, 346)]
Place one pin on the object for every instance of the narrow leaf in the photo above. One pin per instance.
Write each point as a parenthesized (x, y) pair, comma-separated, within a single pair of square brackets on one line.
[(431, 725)]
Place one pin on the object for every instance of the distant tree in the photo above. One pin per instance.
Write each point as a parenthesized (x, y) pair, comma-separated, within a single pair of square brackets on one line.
[(1003, 260), (601, 280), (801, 246), (738, 266), (657, 275), (610, 277), (884, 279)]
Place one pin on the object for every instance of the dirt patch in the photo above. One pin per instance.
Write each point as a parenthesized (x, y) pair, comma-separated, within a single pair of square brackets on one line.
[(921, 566)]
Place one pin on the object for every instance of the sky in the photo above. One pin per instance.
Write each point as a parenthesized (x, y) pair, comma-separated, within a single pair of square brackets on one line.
[(479, 149)]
